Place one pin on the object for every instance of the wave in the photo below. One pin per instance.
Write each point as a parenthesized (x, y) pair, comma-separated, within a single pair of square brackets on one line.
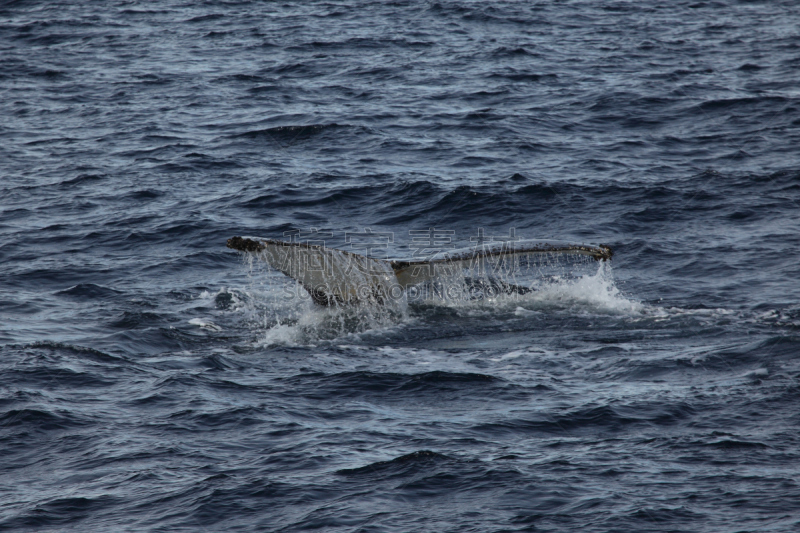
[(390, 203), (35, 420), (299, 133), (607, 417), (72, 349), (400, 466), (395, 387), (89, 291)]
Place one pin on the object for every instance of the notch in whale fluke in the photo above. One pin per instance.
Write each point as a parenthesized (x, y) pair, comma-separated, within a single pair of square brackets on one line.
[(334, 276)]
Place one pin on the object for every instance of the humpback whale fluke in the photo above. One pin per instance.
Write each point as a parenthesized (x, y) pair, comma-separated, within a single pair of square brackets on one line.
[(334, 276)]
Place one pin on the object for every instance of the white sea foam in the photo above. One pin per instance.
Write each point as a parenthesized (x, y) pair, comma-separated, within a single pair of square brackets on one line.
[(205, 324), (595, 293), (285, 314)]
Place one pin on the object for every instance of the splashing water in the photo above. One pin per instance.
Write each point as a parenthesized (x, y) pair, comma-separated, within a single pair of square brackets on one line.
[(286, 314), (597, 293)]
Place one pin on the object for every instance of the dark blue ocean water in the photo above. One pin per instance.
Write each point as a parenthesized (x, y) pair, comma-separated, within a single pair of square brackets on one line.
[(152, 380)]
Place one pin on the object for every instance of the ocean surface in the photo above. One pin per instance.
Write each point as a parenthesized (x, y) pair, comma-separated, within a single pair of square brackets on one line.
[(151, 379)]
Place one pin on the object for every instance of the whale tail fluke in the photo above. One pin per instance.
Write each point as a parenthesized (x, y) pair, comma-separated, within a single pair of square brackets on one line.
[(334, 276)]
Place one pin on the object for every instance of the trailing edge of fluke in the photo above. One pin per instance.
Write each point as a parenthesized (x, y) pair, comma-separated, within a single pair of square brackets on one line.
[(334, 276)]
